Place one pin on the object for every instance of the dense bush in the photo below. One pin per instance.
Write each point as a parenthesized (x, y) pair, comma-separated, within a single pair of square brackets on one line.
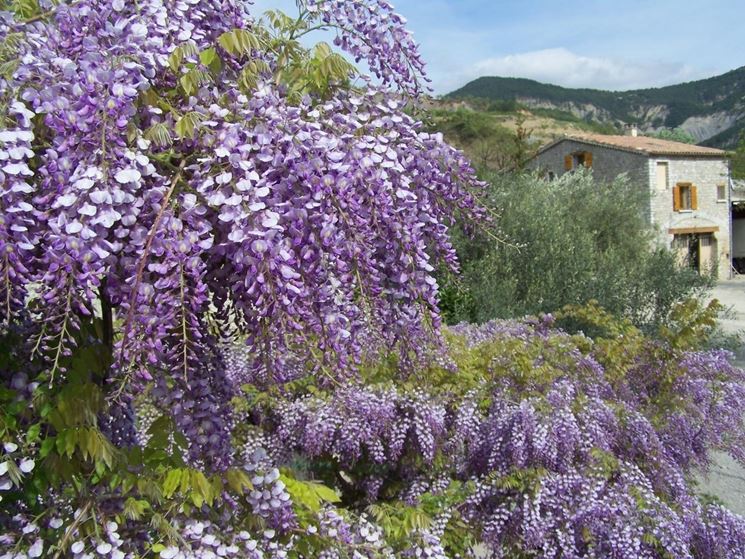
[(564, 242), (738, 159)]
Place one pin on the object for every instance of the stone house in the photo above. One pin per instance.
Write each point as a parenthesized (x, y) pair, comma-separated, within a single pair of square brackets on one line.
[(689, 201)]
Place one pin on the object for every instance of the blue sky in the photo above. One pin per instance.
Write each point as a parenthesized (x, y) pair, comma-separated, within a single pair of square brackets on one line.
[(622, 44)]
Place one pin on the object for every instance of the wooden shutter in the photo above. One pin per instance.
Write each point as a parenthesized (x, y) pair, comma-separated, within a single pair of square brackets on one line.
[(588, 159), (676, 198), (694, 198), (568, 160)]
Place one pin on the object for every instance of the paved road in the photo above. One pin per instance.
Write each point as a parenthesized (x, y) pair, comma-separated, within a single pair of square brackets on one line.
[(727, 478)]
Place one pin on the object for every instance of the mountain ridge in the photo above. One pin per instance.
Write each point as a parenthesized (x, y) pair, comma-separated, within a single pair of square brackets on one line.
[(712, 110)]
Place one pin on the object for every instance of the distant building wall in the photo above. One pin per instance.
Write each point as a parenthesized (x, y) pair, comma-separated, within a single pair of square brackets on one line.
[(709, 176), (607, 163)]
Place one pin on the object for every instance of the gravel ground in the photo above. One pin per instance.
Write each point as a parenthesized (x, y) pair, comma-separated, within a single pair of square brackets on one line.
[(726, 480)]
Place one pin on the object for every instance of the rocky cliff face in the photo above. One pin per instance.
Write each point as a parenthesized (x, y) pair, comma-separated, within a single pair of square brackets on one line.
[(710, 110), (587, 111), (705, 127)]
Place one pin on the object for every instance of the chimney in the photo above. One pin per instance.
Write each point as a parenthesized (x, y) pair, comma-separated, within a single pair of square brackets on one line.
[(634, 131)]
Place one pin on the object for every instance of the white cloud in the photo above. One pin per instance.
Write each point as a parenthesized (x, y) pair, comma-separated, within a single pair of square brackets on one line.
[(561, 66)]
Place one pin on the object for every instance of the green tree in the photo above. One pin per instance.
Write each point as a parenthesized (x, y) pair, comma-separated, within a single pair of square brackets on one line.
[(567, 242), (738, 159), (675, 135), (490, 145)]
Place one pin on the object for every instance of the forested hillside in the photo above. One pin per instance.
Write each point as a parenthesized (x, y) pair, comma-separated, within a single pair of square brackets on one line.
[(711, 110)]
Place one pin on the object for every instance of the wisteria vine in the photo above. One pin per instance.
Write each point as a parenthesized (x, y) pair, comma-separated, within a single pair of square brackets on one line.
[(219, 325), (144, 178)]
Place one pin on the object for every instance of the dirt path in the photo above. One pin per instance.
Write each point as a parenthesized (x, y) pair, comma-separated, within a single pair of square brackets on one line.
[(726, 480)]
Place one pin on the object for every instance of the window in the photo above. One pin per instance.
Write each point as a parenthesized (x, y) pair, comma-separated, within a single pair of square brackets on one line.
[(662, 176), (685, 197), (721, 193), (578, 159)]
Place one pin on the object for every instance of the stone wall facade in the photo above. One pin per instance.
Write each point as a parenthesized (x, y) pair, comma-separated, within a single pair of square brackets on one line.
[(711, 178), (709, 175), (607, 163)]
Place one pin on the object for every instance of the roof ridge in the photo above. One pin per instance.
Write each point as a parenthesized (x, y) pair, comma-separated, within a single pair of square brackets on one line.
[(644, 144)]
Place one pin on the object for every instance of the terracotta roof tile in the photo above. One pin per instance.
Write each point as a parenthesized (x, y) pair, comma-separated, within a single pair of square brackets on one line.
[(647, 145)]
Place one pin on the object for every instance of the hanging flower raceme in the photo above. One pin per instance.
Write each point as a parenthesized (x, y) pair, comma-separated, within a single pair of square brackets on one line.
[(18, 236), (375, 33), (158, 172)]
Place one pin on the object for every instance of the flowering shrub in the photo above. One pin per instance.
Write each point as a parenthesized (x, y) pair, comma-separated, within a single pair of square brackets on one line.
[(219, 326)]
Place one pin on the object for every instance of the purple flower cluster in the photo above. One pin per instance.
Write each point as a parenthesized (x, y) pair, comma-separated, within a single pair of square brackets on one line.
[(41, 535), (358, 422), (571, 462), (269, 498), (579, 468), (310, 229), (147, 190), (375, 33), (18, 236), (203, 540)]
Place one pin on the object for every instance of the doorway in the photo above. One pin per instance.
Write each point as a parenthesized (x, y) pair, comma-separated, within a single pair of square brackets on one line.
[(697, 251), (694, 252), (738, 236)]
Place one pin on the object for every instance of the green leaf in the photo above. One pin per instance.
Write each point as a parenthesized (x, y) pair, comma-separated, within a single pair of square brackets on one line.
[(187, 125), (197, 499), (32, 435), (192, 80), (322, 50), (238, 481), (185, 482), (7, 69), (159, 432), (181, 52), (26, 9), (209, 57), (309, 494), (46, 447), (71, 439), (159, 134), (282, 22), (251, 73), (171, 483), (239, 42), (325, 493), (100, 468), (200, 484)]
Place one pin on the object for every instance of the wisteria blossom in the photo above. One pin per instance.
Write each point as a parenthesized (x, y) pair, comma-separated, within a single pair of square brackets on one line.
[(307, 228), (219, 324)]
